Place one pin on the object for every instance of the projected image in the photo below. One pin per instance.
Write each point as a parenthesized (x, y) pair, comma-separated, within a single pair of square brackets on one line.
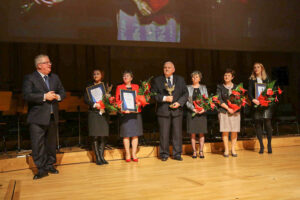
[(29, 4), (151, 21)]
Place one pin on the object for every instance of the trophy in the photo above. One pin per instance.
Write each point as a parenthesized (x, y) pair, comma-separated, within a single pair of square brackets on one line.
[(170, 90)]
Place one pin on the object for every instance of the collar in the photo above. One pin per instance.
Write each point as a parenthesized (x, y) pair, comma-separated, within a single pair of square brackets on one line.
[(42, 75)]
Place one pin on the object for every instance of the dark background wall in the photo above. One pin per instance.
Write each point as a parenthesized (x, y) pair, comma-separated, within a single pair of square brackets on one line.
[(74, 63)]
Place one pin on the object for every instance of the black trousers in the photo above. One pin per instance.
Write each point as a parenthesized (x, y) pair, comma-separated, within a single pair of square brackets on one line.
[(43, 143), (165, 125)]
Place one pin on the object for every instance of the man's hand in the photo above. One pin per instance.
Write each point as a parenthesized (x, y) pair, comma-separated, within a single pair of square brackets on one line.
[(143, 7), (175, 105), (50, 96), (169, 99)]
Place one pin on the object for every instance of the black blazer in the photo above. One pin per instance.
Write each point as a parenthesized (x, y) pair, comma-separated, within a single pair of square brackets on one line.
[(34, 88), (180, 95), (251, 88), (223, 93)]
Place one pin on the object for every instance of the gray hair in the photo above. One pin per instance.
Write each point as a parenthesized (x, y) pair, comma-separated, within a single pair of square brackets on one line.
[(196, 72), (38, 58)]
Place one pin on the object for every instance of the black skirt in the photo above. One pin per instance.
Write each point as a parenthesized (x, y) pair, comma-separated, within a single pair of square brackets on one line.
[(196, 124), (131, 125), (98, 125), (262, 113)]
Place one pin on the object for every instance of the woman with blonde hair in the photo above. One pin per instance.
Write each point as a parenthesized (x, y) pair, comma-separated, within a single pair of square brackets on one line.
[(260, 115)]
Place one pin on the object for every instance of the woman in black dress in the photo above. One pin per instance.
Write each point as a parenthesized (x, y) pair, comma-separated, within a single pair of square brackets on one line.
[(198, 123), (131, 123), (260, 115), (97, 123)]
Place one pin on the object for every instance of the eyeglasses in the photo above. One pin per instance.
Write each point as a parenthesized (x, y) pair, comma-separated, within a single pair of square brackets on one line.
[(48, 62)]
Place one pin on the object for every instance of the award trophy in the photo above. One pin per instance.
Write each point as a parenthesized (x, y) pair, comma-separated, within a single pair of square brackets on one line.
[(170, 90)]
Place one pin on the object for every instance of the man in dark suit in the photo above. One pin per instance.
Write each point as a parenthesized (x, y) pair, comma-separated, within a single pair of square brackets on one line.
[(170, 110), (42, 90)]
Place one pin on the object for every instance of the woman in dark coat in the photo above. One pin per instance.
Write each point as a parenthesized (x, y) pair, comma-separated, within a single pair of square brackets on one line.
[(131, 123), (97, 121), (260, 115), (229, 119)]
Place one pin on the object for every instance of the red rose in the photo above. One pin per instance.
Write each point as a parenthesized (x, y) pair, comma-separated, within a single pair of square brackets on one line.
[(279, 90), (236, 93), (156, 5), (102, 106), (215, 99), (234, 107), (142, 100), (243, 90), (276, 99), (204, 96), (112, 100), (270, 92), (212, 105), (198, 108)]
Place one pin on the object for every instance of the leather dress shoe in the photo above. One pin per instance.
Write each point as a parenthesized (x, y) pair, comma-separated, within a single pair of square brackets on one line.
[(179, 158), (164, 158), (40, 175), (52, 170)]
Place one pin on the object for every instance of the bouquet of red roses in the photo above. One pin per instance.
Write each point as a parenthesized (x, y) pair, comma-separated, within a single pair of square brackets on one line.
[(205, 103), (237, 98), (269, 96), (144, 93), (110, 105)]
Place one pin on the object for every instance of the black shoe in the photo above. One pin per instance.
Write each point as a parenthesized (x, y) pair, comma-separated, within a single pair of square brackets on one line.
[(97, 153), (101, 151), (179, 158), (194, 156), (202, 155), (40, 175), (269, 149), (233, 154), (52, 170), (226, 155), (261, 150), (164, 158)]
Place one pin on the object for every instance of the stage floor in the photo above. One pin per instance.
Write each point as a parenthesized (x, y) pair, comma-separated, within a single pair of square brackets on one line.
[(249, 176)]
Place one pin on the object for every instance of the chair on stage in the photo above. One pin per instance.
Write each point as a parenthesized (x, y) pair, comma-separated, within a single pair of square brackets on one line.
[(285, 114), (6, 101)]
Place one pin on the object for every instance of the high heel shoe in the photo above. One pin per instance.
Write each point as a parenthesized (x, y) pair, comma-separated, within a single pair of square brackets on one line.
[(201, 156), (135, 159), (194, 156), (226, 155), (128, 160), (234, 154)]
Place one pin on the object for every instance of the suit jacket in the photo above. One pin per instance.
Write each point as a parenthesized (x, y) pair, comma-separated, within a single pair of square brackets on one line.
[(223, 94), (34, 88), (180, 95), (189, 103), (123, 87)]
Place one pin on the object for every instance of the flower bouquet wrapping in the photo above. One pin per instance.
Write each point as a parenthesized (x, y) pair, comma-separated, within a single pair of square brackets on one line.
[(144, 94), (205, 103), (237, 98), (269, 96)]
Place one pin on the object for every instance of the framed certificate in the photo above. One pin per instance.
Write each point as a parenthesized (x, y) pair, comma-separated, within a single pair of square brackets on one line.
[(259, 88), (96, 92), (128, 98)]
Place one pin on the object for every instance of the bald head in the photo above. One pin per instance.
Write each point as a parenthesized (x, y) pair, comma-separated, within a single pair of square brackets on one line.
[(169, 69)]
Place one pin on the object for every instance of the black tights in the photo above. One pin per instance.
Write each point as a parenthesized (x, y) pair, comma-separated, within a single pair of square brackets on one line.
[(259, 131), (101, 139)]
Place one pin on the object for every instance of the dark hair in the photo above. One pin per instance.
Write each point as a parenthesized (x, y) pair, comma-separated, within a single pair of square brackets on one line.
[(231, 71), (128, 72), (101, 72)]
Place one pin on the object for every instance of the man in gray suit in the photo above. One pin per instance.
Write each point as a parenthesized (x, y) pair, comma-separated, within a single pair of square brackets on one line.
[(42, 90), (170, 110)]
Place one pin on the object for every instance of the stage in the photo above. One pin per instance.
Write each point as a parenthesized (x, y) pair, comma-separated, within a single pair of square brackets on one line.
[(249, 176)]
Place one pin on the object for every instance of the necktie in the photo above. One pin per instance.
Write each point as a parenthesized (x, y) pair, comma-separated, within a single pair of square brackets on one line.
[(169, 82), (47, 82), (48, 86)]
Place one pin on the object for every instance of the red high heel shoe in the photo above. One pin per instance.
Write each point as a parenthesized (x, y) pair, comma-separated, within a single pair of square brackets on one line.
[(135, 159), (128, 160)]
